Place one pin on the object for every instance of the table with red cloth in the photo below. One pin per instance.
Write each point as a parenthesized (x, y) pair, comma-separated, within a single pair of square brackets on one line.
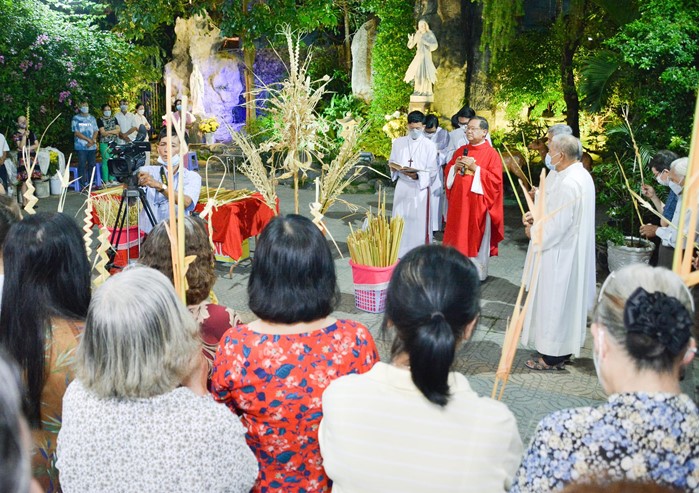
[(234, 222)]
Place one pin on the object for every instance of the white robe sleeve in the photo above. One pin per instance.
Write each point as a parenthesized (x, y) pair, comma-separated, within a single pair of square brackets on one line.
[(451, 177), (477, 185)]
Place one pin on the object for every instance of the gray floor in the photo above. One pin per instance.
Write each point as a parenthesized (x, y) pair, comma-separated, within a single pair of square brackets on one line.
[(530, 395)]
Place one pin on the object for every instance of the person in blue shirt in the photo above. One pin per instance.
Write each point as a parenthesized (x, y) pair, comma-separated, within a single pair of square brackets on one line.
[(85, 129)]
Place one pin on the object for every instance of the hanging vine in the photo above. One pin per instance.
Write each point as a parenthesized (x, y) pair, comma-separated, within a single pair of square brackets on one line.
[(499, 25)]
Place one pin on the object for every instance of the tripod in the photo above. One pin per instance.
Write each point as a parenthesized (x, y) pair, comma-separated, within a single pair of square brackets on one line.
[(130, 193)]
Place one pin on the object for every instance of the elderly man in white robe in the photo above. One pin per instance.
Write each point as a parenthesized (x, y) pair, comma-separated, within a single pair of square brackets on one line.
[(564, 285), (413, 163)]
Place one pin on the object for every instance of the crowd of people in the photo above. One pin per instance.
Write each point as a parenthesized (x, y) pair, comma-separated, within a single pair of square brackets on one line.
[(128, 388)]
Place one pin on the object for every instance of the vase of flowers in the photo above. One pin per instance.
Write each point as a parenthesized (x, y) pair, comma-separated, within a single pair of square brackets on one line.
[(208, 126)]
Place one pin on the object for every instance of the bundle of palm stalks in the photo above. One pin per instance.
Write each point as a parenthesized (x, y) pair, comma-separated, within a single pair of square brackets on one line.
[(222, 196), (377, 245), (107, 206)]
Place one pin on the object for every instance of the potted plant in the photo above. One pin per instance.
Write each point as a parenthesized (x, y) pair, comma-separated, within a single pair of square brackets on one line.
[(52, 173), (208, 126)]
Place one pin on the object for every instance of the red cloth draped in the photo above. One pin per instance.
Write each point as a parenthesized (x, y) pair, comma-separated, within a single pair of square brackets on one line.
[(232, 223), (466, 213)]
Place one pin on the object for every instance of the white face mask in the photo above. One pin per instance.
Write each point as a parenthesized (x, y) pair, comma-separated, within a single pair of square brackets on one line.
[(175, 160), (141, 111), (429, 135), (675, 187), (547, 162), (659, 179), (84, 109), (124, 108), (415, 133), (107, 113)]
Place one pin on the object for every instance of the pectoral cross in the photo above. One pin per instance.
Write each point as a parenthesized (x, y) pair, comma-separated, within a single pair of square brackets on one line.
[(410, 162)]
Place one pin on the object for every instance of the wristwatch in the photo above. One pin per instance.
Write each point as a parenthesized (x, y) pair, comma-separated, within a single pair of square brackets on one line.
[(163, 188)]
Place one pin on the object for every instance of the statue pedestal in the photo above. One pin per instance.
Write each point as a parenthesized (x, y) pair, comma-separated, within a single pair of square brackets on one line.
[(421, 103)]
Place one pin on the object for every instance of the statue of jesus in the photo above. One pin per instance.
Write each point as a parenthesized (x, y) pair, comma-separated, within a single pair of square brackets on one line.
[(421, 69)]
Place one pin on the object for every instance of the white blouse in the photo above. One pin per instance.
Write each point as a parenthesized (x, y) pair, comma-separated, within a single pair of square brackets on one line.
[(176, 442)]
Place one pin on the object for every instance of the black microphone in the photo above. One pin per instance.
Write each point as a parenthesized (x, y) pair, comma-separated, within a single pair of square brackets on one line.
[(465, 153)]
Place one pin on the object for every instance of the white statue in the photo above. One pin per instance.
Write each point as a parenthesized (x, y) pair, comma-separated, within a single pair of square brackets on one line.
[(421, 69), (196, 90)]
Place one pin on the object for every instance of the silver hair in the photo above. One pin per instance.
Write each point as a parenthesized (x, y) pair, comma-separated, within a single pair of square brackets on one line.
[(140, 340), (619, 287), (15, 471), (679, 166), (560, 129), (570, 146)]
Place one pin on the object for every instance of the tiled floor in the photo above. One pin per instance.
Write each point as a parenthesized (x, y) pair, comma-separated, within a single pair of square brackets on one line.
[(530, 395)]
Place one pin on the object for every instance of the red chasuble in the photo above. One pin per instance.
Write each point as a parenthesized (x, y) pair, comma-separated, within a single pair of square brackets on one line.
[(466, 212)]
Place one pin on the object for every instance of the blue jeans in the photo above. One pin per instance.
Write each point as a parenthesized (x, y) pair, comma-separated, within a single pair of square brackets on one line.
[(86, 158)]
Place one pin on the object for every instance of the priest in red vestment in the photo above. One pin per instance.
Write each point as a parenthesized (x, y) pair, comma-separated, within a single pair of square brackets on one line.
[(473, 180)]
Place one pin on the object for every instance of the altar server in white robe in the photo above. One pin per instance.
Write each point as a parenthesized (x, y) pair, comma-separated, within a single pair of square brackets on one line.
[(564, 285), (412, 194), (440, 138), (457, 137)]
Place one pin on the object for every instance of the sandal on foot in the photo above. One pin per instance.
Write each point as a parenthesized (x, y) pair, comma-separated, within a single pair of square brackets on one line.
[(540, 365)]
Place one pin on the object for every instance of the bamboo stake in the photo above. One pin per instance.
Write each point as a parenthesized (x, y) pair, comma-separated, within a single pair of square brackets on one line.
[(628, 187), (514, 161), (682, 265), (637, 152), (512, 183)]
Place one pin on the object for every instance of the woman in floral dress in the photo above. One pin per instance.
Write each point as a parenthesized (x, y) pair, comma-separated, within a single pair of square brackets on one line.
[(272, 372), (648, 430)]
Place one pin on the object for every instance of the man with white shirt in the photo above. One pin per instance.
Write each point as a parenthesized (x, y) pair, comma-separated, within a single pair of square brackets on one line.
[(411, 199), (564, 286), (475, 223), (154, 178), (457, 137), (126, 122), (440, 138)]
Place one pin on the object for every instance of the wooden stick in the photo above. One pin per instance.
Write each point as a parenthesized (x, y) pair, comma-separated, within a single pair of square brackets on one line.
[(628, 187), (512, 183)]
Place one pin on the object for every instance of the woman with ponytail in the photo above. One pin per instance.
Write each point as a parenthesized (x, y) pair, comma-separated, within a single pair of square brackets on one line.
[(414, 425)]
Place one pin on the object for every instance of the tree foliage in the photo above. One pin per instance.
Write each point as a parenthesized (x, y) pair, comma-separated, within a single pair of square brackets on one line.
[(499, 25), (51, 60)]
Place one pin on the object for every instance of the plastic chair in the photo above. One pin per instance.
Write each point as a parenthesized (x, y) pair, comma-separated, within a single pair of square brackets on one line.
[(192, 161), (73, 171)]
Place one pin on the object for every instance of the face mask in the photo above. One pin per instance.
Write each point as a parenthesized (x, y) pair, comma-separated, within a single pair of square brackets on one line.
[(22, 125), (547, 162), (675, 187), (597, 358), (415, 133), (124, 107), (178, 107), (661, 181), (84, 109), (107, 113), (463, 126), (430, 136), (141, 111), (175, 160)]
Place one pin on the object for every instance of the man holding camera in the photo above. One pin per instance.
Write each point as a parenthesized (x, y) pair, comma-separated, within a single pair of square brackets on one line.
[(474, 189), (154, 178)]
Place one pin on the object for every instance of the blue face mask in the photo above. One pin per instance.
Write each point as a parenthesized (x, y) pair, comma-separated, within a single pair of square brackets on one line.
[(84, 109), (547, 162), (178, 107)]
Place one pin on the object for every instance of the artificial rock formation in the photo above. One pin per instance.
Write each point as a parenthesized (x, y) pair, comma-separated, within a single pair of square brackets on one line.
[(362, 46), (199, 69)]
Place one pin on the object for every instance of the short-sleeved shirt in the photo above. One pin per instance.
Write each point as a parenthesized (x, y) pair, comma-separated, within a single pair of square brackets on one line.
[(86, 125), (3, 145), (108, 124), (126, 123), (158, 201), (670, 204), (275, 384)]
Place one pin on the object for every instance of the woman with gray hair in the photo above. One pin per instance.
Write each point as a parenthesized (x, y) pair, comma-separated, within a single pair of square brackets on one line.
[(138, 417), (648, 430)]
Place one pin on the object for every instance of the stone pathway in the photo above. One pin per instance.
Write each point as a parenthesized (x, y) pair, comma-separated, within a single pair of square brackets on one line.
[(529, 394)]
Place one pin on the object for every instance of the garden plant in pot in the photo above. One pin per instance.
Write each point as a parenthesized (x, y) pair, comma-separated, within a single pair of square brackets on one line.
[(208, 126), (52, 173), (620, 235)]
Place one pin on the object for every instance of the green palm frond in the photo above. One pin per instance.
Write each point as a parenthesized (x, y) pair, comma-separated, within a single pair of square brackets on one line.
[(598, 73)]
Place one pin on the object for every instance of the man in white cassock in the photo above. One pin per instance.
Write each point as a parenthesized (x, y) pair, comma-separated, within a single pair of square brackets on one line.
[(411, 199), (440, 138), (564, 285)]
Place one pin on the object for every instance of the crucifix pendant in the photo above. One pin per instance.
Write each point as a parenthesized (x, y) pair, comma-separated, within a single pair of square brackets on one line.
[(410, 162)]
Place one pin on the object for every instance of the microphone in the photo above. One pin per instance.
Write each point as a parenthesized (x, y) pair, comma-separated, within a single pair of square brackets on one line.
[(465, 153)]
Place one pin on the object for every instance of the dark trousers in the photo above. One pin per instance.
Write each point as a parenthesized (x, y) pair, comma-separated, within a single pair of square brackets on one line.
[(665, 256), (86, 161), (3, 175), (555, 360)]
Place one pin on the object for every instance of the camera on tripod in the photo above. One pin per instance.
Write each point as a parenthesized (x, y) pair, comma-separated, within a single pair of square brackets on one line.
[(128, 157)]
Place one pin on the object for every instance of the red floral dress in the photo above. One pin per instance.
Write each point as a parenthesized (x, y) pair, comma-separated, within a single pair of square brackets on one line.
[(275, 383)]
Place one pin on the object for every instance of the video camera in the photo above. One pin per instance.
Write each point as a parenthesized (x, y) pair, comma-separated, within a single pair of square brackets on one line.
[(128, 158)]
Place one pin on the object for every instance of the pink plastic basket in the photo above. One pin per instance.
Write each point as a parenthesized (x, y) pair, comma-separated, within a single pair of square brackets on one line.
[(370, 286)]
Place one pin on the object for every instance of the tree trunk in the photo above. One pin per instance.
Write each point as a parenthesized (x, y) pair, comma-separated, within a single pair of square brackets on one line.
[(571, 29), (348, 42), (570, 92)]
